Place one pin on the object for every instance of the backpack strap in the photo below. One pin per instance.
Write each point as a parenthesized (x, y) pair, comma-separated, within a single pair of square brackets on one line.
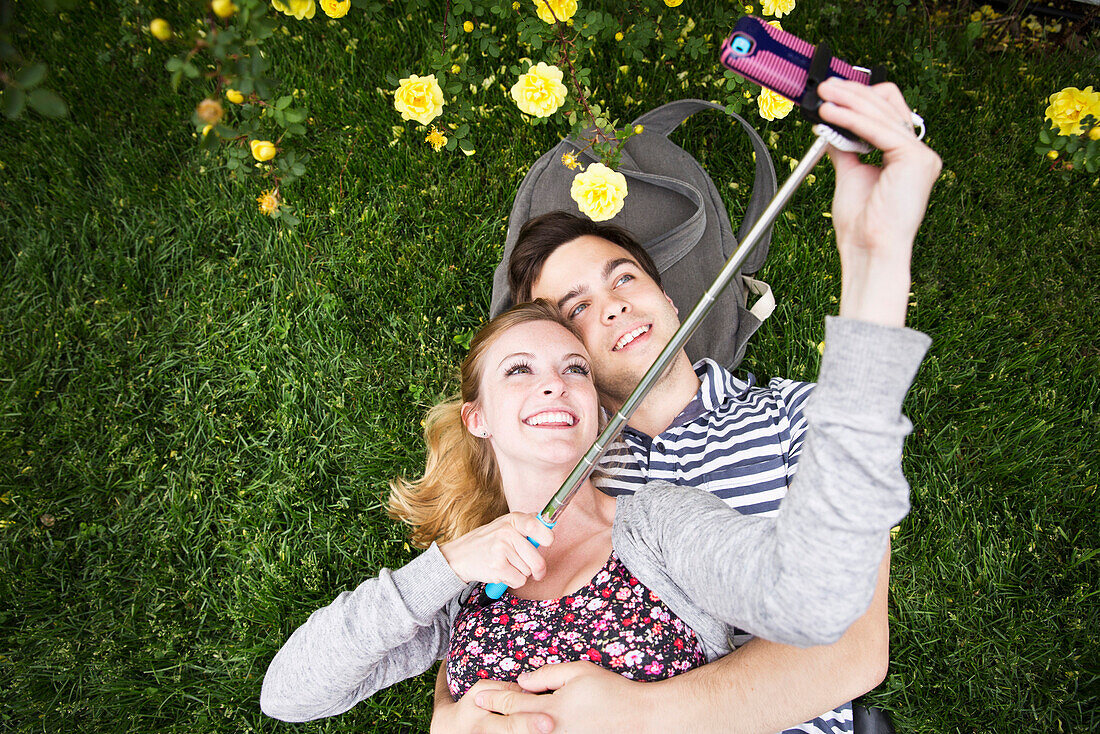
[(668, 117)]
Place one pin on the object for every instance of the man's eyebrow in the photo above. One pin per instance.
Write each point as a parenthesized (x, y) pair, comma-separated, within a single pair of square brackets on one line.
[(608, 269), (514, 354)]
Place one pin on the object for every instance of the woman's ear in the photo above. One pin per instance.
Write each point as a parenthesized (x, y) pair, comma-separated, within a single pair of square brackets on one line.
[(471, 418)]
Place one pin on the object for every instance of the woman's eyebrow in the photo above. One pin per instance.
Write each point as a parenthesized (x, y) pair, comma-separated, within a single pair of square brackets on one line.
[(514, 354)]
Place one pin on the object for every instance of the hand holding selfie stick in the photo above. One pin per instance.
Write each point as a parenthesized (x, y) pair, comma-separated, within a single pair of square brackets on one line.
[(817, 64)]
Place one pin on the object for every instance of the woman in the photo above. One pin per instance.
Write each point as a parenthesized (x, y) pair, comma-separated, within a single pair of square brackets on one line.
[(620, 584)]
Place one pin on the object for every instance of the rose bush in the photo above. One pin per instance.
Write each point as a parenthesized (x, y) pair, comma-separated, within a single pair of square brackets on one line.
[(546, 45), (1071, 138)]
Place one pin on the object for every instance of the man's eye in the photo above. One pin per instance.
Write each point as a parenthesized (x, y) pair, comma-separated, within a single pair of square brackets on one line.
[(624, 278), (577, 310)]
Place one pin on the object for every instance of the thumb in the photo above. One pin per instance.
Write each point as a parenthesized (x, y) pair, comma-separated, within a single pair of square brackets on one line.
[(552, 677), (842, 160)]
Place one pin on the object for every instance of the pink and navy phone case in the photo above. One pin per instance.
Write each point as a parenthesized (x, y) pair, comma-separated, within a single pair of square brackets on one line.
[(778, 60)]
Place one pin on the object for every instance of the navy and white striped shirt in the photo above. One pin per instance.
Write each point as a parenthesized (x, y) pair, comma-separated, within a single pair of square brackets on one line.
[(737, 440)]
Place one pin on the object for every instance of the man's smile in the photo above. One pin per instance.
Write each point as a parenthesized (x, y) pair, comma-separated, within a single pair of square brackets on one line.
[(630, 336)]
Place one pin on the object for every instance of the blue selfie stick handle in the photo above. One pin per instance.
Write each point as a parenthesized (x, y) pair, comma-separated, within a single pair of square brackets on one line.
[(495, 591)]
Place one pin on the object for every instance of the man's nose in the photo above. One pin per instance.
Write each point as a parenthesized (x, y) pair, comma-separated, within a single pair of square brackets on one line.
[(614, 308)]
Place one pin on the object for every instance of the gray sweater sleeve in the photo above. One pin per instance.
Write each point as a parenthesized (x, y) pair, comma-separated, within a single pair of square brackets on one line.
[(389, 628), (802, 577)]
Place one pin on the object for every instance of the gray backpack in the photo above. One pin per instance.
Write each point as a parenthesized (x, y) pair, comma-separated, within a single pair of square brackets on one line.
[(674, 210)]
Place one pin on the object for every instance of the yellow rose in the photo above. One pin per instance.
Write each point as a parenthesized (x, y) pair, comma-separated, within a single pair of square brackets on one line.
[(455, 68), (300, 9), (599, 192), (639, 129), (1052, 154), (563, 10), (335, 8), (262, 150), (210, 111), (1068, 107), (234, 96), (160, 29), (223, 8), (539, 92), (773, 106), (778, 8), (673, 3), (468, 26), (619, 36), (1094, 133), (206, 130), (419, 98)]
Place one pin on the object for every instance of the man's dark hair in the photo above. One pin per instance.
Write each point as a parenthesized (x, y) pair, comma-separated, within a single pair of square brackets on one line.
[(539, 237)]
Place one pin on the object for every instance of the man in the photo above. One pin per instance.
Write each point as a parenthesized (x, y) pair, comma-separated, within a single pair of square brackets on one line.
[(611, 293)]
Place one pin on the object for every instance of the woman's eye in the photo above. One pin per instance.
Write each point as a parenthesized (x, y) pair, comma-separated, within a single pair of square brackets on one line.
[(577, 369), (518, 369), (577, 310)]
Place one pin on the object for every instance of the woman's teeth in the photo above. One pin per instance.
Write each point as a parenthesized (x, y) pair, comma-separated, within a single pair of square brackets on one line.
[(551, 417)]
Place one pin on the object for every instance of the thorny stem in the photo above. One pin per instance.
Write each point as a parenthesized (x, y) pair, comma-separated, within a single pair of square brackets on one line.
[(566, 45)]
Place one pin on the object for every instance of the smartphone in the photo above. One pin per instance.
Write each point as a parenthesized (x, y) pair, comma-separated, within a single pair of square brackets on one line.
[(786, 64)]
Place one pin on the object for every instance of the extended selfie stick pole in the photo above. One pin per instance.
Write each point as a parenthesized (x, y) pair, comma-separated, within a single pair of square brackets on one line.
[(550, 514)]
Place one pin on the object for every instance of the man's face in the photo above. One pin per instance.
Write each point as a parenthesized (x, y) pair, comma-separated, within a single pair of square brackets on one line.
[(624, 317)]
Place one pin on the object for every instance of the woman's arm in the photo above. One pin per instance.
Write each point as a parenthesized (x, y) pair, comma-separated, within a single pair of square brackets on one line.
[(389, 628), (803, 577)]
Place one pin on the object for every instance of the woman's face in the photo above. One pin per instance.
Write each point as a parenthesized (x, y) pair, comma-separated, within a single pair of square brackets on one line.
[(538, 402)]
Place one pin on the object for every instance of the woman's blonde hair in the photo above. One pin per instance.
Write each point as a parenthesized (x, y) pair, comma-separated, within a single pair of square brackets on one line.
[(461, 488)]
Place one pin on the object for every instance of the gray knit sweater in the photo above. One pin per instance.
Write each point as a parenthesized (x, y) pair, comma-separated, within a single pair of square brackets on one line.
[(715, 568)]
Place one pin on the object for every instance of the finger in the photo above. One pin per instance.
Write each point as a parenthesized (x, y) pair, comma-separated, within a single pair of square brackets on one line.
[(508, 702), (484, 684), (530, 556), (552, 677), (842, 160), (513, 570), (866, 113), (531, 527), (514, 724), (890, 92)]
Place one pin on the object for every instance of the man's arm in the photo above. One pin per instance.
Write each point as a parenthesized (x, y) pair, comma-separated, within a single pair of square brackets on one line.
[(760, 688)]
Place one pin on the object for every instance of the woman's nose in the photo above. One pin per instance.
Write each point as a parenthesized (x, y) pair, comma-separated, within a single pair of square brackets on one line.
[(554, 385)]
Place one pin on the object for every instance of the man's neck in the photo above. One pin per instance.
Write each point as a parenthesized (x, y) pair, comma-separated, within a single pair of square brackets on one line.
[(668, 398)]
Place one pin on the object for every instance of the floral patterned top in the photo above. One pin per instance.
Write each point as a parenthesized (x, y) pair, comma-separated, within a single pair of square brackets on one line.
[(614, 621)]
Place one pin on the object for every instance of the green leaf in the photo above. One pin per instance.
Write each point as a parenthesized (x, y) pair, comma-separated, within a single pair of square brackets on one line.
[(30, 76), (14, 100), (1091, 165), (1044, 136), (47, 103), (1059, 143), (191, 71), (1073, 144), (283, 102), (298, 169), (175, 79), (466, 145), (296, 114), (173, 64), (462, 131)]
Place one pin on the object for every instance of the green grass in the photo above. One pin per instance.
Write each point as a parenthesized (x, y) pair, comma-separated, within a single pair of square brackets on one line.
[(210, 408)]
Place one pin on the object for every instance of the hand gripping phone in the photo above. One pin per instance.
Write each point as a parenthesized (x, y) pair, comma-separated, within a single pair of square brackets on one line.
[(787, 65)]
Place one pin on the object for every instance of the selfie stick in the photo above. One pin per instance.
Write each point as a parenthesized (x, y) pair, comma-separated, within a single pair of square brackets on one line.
[(550, 514)]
